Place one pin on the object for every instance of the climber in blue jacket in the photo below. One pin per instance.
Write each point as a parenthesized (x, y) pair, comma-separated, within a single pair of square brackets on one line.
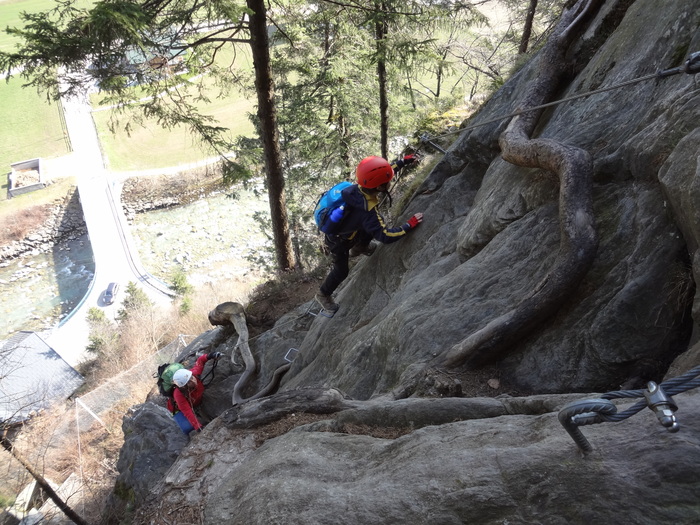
[(362, 222)]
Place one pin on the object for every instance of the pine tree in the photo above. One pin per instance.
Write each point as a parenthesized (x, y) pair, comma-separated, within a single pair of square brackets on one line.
[(129, 48)]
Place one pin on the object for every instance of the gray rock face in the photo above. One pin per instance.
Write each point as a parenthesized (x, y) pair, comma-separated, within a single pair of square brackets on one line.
[(680, 180), (152, 443), (491, 233), (337, 445), (487, 461), (509, 469)]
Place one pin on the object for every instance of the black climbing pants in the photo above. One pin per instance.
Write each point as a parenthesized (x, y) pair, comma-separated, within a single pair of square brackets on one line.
[(339, 248)]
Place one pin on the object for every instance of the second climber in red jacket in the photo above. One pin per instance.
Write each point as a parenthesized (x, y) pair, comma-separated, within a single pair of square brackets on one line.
[(188, 393)]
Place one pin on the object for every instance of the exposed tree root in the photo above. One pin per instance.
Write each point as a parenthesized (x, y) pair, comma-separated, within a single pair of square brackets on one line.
[(233, 313), (579, 241)]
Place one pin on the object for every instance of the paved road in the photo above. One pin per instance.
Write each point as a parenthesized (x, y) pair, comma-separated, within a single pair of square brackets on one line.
[(116, 259)]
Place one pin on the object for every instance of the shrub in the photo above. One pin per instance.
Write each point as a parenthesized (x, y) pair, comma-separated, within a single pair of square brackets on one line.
[(23, 222)]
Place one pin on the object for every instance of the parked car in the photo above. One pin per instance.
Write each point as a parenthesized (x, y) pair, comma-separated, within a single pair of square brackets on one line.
[(111, 293)]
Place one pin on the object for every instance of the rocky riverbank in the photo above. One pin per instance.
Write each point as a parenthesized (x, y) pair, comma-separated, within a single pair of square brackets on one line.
[(64, 223), (141, 194)]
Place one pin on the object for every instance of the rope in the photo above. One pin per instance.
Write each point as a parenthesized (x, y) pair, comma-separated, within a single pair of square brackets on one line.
[(691, 67)]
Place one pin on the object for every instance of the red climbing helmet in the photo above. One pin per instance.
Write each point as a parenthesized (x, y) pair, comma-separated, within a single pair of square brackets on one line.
[(373, 171)]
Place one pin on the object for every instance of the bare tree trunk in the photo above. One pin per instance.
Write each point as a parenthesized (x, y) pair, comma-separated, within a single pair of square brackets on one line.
[(45, 486), (579, 239), (267, 113), (380, 36), (439, 74), (527, 29)]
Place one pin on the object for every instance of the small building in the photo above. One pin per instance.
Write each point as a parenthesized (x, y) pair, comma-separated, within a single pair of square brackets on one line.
[(32, 377), (26, 176)]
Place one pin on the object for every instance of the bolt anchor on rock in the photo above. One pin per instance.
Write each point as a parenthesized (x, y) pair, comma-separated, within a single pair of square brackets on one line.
[(663, 406)]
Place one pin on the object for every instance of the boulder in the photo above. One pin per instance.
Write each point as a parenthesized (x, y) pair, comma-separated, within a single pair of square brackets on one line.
[(491, 234), (152, 443), (431, 461)]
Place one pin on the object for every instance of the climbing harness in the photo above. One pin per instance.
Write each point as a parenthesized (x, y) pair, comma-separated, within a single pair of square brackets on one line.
[(656, 397), (691, 67)]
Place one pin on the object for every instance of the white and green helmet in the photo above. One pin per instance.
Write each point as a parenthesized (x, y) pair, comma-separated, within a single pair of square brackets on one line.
[(181, 377)]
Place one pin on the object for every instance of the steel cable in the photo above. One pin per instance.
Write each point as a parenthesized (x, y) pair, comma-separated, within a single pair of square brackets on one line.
[(593, 411)]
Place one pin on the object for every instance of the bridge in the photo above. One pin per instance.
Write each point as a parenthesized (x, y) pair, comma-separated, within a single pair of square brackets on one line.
[(116, 258)]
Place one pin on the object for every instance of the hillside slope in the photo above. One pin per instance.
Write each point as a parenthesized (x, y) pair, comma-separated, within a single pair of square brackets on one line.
[(367, 446)]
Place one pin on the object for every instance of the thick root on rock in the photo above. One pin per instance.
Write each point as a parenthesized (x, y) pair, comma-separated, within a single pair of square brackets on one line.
[(231, 313), (574, 168)]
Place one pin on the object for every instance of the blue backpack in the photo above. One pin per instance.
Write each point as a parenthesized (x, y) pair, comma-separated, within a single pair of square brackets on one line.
[(330, 208)]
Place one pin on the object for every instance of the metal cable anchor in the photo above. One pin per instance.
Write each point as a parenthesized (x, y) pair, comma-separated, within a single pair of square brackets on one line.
[(662, 405), (691, 66), (593, 411), (584, 412), (321, 311)]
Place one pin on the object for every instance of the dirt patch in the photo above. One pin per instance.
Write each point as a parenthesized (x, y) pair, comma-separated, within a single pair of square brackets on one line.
[(284, 425), (481, 382), (24, 222), (376, 432), (273, 299), (25, 178), (291, 421)]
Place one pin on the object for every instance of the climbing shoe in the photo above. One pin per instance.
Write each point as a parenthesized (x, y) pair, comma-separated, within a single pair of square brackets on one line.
[(363, 250), (327, 302)]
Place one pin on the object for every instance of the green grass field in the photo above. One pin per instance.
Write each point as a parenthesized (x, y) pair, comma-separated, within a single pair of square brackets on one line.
[(32, 127), (10, 16), (150, 146), (57, 190), (144, 147)]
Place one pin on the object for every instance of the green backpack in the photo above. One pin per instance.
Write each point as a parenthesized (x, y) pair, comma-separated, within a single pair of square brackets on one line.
[(165, 377)]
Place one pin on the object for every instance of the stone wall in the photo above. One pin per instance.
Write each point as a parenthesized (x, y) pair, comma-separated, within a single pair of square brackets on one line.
[(142, 194)]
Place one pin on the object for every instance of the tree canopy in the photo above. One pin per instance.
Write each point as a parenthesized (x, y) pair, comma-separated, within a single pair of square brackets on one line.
[(327, 76)]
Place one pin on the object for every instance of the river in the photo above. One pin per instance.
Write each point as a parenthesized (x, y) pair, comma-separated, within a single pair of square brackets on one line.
[(210, 239), (38, 291)]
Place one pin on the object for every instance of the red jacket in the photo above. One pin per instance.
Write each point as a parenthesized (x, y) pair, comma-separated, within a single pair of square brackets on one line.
[(186, 399)]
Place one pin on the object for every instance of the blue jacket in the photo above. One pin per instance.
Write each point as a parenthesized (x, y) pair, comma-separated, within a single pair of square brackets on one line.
[(361, 214)]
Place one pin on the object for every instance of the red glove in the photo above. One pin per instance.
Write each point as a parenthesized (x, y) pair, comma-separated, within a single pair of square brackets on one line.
[(409, 159), (414, 221)]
